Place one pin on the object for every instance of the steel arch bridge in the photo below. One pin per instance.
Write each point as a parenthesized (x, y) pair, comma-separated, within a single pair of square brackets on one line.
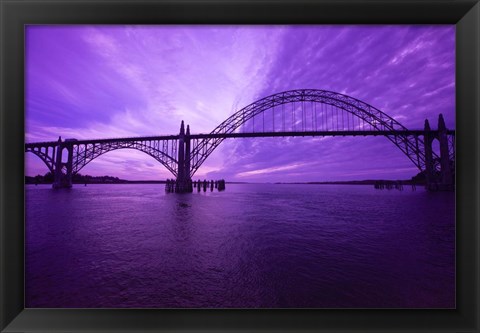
[(368, 119), (303, 112), (85, 151)]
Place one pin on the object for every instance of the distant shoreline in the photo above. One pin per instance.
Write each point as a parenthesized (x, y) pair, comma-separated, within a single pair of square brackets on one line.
[(87, 179), (359, 182), (353, 182)]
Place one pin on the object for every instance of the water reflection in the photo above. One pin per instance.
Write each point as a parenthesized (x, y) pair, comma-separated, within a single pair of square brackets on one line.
[(250, 246)]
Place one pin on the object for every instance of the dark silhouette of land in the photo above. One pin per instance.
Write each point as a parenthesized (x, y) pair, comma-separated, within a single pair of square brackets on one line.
[(48, 178)]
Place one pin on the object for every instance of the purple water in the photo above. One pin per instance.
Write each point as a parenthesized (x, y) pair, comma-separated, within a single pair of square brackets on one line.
[(264, 245)]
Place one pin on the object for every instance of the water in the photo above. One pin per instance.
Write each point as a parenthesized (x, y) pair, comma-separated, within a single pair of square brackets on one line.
[(260, 246)]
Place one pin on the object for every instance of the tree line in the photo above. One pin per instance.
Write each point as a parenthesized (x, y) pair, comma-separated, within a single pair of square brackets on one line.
[(76, 178)]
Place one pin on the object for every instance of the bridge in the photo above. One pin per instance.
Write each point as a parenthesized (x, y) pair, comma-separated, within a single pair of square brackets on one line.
[(303, 112)]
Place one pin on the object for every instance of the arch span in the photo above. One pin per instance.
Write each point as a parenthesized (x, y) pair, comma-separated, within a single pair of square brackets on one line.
[(85, 153), (365, 114)]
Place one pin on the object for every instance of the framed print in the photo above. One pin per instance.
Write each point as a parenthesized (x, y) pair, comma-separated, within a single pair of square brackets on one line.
[(240, 166)]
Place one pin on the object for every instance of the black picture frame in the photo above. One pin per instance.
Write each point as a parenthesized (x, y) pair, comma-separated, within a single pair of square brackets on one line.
[(465, 14)]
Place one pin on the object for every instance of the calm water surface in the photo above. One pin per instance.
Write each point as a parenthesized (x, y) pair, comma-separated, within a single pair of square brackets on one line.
[(250, 246)]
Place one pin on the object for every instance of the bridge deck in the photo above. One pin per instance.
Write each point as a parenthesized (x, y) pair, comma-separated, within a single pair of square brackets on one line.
[(246, 135), (313, 133)]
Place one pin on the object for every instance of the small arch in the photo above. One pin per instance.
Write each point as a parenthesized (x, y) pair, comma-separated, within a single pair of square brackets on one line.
[(130, 162), (81, 160), (65, 154)]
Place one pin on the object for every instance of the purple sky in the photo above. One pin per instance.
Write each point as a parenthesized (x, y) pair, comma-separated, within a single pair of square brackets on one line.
[(89, 82)]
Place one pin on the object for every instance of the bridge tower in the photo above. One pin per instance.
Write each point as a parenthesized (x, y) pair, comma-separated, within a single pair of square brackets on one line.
[(187, 160), (184, 182), (443, 180), (60, 179), (446, 181), (428, 139)]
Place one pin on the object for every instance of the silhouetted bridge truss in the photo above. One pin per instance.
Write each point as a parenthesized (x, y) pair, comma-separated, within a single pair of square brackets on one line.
[(305, 112)]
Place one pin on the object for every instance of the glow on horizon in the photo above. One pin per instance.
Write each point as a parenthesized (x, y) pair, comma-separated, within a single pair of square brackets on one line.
[(89, 82)]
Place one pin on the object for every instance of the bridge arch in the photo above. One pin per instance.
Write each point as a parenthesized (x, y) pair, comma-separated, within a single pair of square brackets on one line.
[(85, 153), (377, 120)]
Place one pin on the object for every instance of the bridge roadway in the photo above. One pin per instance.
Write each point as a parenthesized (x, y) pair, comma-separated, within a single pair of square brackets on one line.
[(247, 135)]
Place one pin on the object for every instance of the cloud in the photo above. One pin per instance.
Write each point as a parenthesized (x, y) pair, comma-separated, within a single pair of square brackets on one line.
[(269, 170)]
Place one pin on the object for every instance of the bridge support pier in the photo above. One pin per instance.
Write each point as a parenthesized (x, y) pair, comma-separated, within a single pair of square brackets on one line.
[(184, 182), (61, 179)]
